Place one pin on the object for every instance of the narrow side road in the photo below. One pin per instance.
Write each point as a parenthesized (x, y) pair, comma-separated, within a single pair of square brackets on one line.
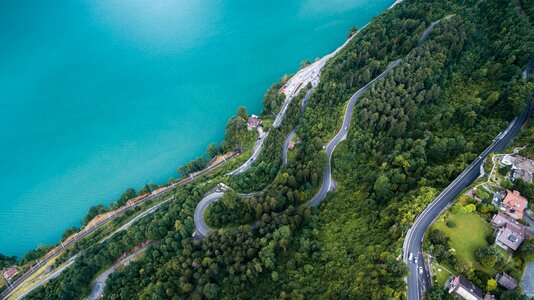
[(292, 133), (99, 283), (55, 274), (137, 218), (255, 153)]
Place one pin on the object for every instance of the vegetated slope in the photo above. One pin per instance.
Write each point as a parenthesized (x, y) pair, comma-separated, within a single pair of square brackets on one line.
[(414, 131)]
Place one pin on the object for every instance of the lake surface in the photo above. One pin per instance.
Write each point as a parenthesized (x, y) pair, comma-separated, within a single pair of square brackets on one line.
[(100, 95)]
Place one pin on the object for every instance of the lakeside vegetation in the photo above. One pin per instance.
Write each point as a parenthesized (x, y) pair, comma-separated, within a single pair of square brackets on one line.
[(412, 134)]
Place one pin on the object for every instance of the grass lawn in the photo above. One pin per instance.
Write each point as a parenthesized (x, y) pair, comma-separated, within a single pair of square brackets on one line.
[(467, 236), (441, 274)]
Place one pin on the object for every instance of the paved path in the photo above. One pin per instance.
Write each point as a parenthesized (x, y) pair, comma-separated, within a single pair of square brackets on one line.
[(200, 225), (326, 185), (292, 133), (430, 28), (98, 285), (255, 153)]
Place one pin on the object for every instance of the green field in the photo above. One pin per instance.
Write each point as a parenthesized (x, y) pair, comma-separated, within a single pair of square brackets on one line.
[(467, 236), (441, 274)]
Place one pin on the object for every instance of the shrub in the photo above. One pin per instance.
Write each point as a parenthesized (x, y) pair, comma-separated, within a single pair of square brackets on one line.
[(490, 239), (450, 224), (488, 256)]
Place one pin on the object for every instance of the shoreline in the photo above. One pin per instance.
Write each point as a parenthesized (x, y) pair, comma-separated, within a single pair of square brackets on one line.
[(315, 78)]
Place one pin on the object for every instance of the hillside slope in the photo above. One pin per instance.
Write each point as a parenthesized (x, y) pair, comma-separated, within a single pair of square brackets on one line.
[(411, 134)]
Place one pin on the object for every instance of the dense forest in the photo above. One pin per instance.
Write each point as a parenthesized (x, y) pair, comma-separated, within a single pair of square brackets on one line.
[(411, 134)]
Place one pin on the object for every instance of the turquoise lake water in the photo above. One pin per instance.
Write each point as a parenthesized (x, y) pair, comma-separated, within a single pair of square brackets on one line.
[(100, 95)]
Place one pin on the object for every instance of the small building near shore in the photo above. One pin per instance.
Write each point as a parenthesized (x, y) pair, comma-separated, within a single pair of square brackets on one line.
[(506, 281), (253, 122), (9, 273)]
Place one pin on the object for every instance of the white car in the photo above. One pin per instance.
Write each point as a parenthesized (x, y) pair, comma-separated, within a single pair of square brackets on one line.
[(421, 270), (415, 261)]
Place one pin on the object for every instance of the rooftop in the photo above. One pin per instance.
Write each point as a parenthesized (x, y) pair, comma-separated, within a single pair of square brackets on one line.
[(9, 273), (514, 204), (506, 281), (253, 121), (511, 236), (465, 289)]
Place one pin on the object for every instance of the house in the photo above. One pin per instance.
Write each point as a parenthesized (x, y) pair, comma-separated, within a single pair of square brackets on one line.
[(514, 204), (466, 290), (508, 160), (506, 281), (9, 273), (522, 163), (253, 122), (523, 168), (523, 175), (291, 145), (509, 233)]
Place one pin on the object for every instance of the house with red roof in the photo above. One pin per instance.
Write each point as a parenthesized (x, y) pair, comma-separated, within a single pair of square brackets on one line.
[(514, 204), (9, 273)]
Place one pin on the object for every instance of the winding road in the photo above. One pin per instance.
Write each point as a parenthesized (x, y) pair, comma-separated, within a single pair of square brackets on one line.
[(326, 186), (309, 74), (200, 225), (414, 237), (430, 28), (203, 230)]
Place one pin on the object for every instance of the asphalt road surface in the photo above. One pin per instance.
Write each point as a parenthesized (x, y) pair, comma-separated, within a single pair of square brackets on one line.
[(342, 135), (200, 225), (98, 285), (292, 133), (413, 241), (427, 32), (203, 230), (255, 153)]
